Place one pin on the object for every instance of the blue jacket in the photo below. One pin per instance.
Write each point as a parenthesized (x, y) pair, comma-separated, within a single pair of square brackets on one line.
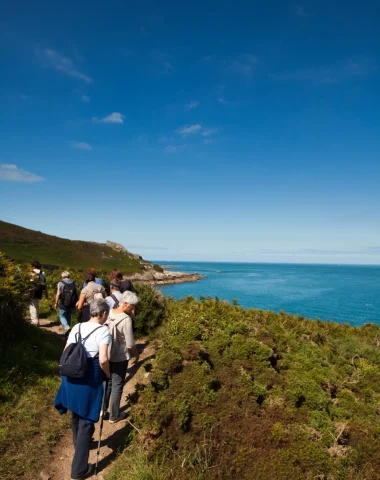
[(82, 396)]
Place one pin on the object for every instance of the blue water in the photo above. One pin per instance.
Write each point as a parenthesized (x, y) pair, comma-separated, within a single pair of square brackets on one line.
[(342, 293)]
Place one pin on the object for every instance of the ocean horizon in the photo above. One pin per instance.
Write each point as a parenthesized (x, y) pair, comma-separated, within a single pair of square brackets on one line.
[(336, 292)]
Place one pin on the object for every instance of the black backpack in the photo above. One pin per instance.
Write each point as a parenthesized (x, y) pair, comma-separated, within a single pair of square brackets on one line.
[(73, 361), (69, 295)]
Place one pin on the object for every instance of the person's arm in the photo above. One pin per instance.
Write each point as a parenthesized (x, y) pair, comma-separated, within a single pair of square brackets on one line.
[(82, 299), (134, 353), (57, 297), (129, 338), (103, 360)]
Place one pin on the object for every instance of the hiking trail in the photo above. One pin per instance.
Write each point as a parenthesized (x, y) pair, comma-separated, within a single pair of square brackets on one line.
[(113, 435)]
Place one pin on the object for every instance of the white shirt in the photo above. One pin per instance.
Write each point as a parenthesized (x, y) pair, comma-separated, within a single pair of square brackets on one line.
[(100, 337), (111, 301)]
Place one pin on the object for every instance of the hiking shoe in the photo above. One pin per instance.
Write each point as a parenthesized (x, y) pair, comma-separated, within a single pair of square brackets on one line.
[(122, 416), (89, 473), (105, 415)]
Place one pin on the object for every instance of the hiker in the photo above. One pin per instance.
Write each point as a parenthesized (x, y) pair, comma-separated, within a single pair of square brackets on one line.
[(39, 286), (83, 396), (97, 280), (92, 291), (66, 298), (122, 348), (116, 273), (125, 284), (114, 297)]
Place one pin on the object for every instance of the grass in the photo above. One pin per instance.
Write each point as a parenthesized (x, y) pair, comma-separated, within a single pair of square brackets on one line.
[(30, 425), (242, 394), (26, 245)]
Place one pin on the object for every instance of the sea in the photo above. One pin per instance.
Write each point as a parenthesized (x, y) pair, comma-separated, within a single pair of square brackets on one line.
[(340, 293)]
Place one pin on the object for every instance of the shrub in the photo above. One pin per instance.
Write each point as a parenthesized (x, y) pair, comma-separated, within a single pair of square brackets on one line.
[(150, 310), (14, 299)]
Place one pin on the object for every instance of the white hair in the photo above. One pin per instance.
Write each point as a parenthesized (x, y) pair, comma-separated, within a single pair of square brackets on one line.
[(98, 306), (65, 274), (129, 297)]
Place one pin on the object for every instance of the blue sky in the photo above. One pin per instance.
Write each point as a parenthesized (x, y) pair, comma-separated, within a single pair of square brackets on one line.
[(236, 131)]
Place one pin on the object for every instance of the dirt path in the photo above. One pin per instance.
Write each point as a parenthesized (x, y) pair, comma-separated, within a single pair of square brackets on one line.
[(113, 436)]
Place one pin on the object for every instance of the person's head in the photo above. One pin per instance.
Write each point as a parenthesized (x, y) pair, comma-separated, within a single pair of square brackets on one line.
[(36, 264), (65, 274), (89, 277), (92, 271), (99, 309), (115, 273), (115, 285), (128, 302)]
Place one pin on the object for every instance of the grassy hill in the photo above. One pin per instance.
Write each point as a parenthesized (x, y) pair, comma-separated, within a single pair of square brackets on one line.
[(247, 394), (26, 245)]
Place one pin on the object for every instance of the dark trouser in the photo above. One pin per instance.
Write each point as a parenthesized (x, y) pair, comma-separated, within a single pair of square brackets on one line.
[(84, 315), (82, 435), (115, 387)]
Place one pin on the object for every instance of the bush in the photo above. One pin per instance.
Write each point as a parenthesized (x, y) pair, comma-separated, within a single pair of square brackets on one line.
[(150, 310), (158, 268), (247, 394), (14, 299)]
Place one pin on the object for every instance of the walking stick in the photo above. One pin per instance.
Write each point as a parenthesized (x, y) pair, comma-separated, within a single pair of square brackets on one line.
[(101, 426)]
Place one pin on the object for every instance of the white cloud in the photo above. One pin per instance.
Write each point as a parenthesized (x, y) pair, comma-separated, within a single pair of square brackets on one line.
[(244, 65), (191, 105), (81, 145), (85, 99), (174, 148), (210, 131), (114, 117), (62, 64), (197, 129), (189, 130), (11, 172)]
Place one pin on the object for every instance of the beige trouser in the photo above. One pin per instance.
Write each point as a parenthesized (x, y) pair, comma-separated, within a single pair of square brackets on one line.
[(34, 309)]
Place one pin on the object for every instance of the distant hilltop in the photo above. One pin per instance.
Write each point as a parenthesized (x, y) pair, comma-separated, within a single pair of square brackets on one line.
[(25, 245)]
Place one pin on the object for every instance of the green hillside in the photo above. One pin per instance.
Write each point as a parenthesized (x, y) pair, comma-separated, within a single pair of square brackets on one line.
[(253, 395), (26, 245)]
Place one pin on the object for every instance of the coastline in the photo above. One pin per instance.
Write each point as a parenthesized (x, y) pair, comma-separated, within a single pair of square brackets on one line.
[(151, 277)]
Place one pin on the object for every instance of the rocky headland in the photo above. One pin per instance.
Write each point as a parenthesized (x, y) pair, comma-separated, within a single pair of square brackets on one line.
[(155, 274), (152, 277)]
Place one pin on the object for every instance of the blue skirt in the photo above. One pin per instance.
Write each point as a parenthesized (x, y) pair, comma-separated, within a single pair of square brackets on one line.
[(82, 396)]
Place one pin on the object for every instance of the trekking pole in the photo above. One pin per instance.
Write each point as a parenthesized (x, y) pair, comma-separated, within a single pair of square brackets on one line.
[(101, 426)]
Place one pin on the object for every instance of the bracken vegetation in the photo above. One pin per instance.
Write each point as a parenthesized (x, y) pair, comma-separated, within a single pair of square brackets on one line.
[(246, 394), (29, 379), (231, 393)]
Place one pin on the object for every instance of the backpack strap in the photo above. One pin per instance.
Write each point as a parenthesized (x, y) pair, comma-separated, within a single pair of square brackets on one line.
[(115, 300), (78, 336), (97, 328)]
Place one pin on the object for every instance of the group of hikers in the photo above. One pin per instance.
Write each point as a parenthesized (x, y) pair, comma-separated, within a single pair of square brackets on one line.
[(95, 359)]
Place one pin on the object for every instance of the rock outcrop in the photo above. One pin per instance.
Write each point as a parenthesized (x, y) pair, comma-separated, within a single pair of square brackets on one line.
[(151, 277)]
